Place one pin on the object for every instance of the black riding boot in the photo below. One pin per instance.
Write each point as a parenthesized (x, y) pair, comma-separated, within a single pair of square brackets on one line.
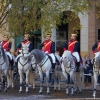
[(53, 67), (77, 66), (11, 63)]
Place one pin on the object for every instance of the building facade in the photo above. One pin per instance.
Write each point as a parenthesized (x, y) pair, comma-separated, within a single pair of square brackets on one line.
[(88, 34)]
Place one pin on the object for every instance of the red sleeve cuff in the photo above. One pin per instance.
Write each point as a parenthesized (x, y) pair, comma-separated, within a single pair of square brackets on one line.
[(94, 51), (18, 49), (64, 49)]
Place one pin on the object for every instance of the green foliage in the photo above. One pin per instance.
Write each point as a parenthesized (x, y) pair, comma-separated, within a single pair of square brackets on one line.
[(4, 10), (29, 15)]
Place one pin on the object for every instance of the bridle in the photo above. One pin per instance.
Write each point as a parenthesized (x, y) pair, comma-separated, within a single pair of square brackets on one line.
[(67, 61), (23, 58)]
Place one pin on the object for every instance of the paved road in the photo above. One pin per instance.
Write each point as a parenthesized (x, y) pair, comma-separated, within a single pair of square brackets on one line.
[(13, 94)]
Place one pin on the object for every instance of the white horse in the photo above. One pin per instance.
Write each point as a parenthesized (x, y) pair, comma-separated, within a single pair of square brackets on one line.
[(79, 78), (4, 67), (24, 66), (57, 75), (96, 71), (68, 67), (43, 62)]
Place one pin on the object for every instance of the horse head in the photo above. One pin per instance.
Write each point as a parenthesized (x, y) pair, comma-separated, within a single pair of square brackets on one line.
[(25, 50), (66, 58)]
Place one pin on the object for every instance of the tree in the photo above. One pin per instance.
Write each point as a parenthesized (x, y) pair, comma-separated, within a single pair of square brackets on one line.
[(4, 10), (30, 15)]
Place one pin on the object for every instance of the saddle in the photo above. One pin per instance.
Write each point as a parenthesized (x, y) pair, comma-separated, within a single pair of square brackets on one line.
[(77, 64), (57, 62), (11, 62)]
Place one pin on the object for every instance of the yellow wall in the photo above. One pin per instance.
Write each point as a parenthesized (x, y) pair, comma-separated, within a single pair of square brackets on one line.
[(71, 25)]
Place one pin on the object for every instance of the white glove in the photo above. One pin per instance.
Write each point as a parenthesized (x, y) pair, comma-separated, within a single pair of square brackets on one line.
[(4, 49), (46, 52), (69, 51)]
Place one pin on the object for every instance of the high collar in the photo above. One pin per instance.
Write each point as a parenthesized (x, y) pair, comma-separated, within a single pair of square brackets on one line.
[(47, 40), (5, 40), (25, 40), (72, 40)]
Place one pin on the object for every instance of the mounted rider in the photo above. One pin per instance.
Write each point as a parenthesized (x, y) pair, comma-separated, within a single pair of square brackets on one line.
[(6, 44), (25, 41), (94, 47), (73, 47), (49, 47)]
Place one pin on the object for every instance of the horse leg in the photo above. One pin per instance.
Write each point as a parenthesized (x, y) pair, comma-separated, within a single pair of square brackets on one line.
[(41, 82), (80, 81), (0, 81), (27, 81), (7, 80), (33, 81), (75, 81), (95, 84), (12, 79), (66, 76), (59, 78), (47, 81), (21, 80), (55, 79), (72, 82)]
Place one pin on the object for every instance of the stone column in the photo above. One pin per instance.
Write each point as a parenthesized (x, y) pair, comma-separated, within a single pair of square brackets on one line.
[(54, 35), (93, 30), (83, 34)]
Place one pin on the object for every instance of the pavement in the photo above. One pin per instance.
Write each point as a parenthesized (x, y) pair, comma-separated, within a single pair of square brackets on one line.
[(13, 94)]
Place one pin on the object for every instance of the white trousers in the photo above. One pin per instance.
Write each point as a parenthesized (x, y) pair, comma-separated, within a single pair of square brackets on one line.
[(77, 56), (53, 57)]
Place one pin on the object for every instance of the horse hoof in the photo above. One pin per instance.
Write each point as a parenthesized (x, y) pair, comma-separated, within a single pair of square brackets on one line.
[(72, 94), (48, 92), (20, 91), (40, 92), (27, 91), (67, 94), (74, 91), (93, 96), (5, 90), (0, 90), (55, 90), (80, 92), (34, 89)]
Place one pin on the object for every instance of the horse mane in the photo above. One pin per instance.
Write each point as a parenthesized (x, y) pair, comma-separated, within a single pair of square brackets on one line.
[(4, 56), (39, 55)]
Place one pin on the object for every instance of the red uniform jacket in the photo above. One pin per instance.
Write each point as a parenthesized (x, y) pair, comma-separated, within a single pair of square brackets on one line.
[(6, 45), (47, 45), (72, 46)]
